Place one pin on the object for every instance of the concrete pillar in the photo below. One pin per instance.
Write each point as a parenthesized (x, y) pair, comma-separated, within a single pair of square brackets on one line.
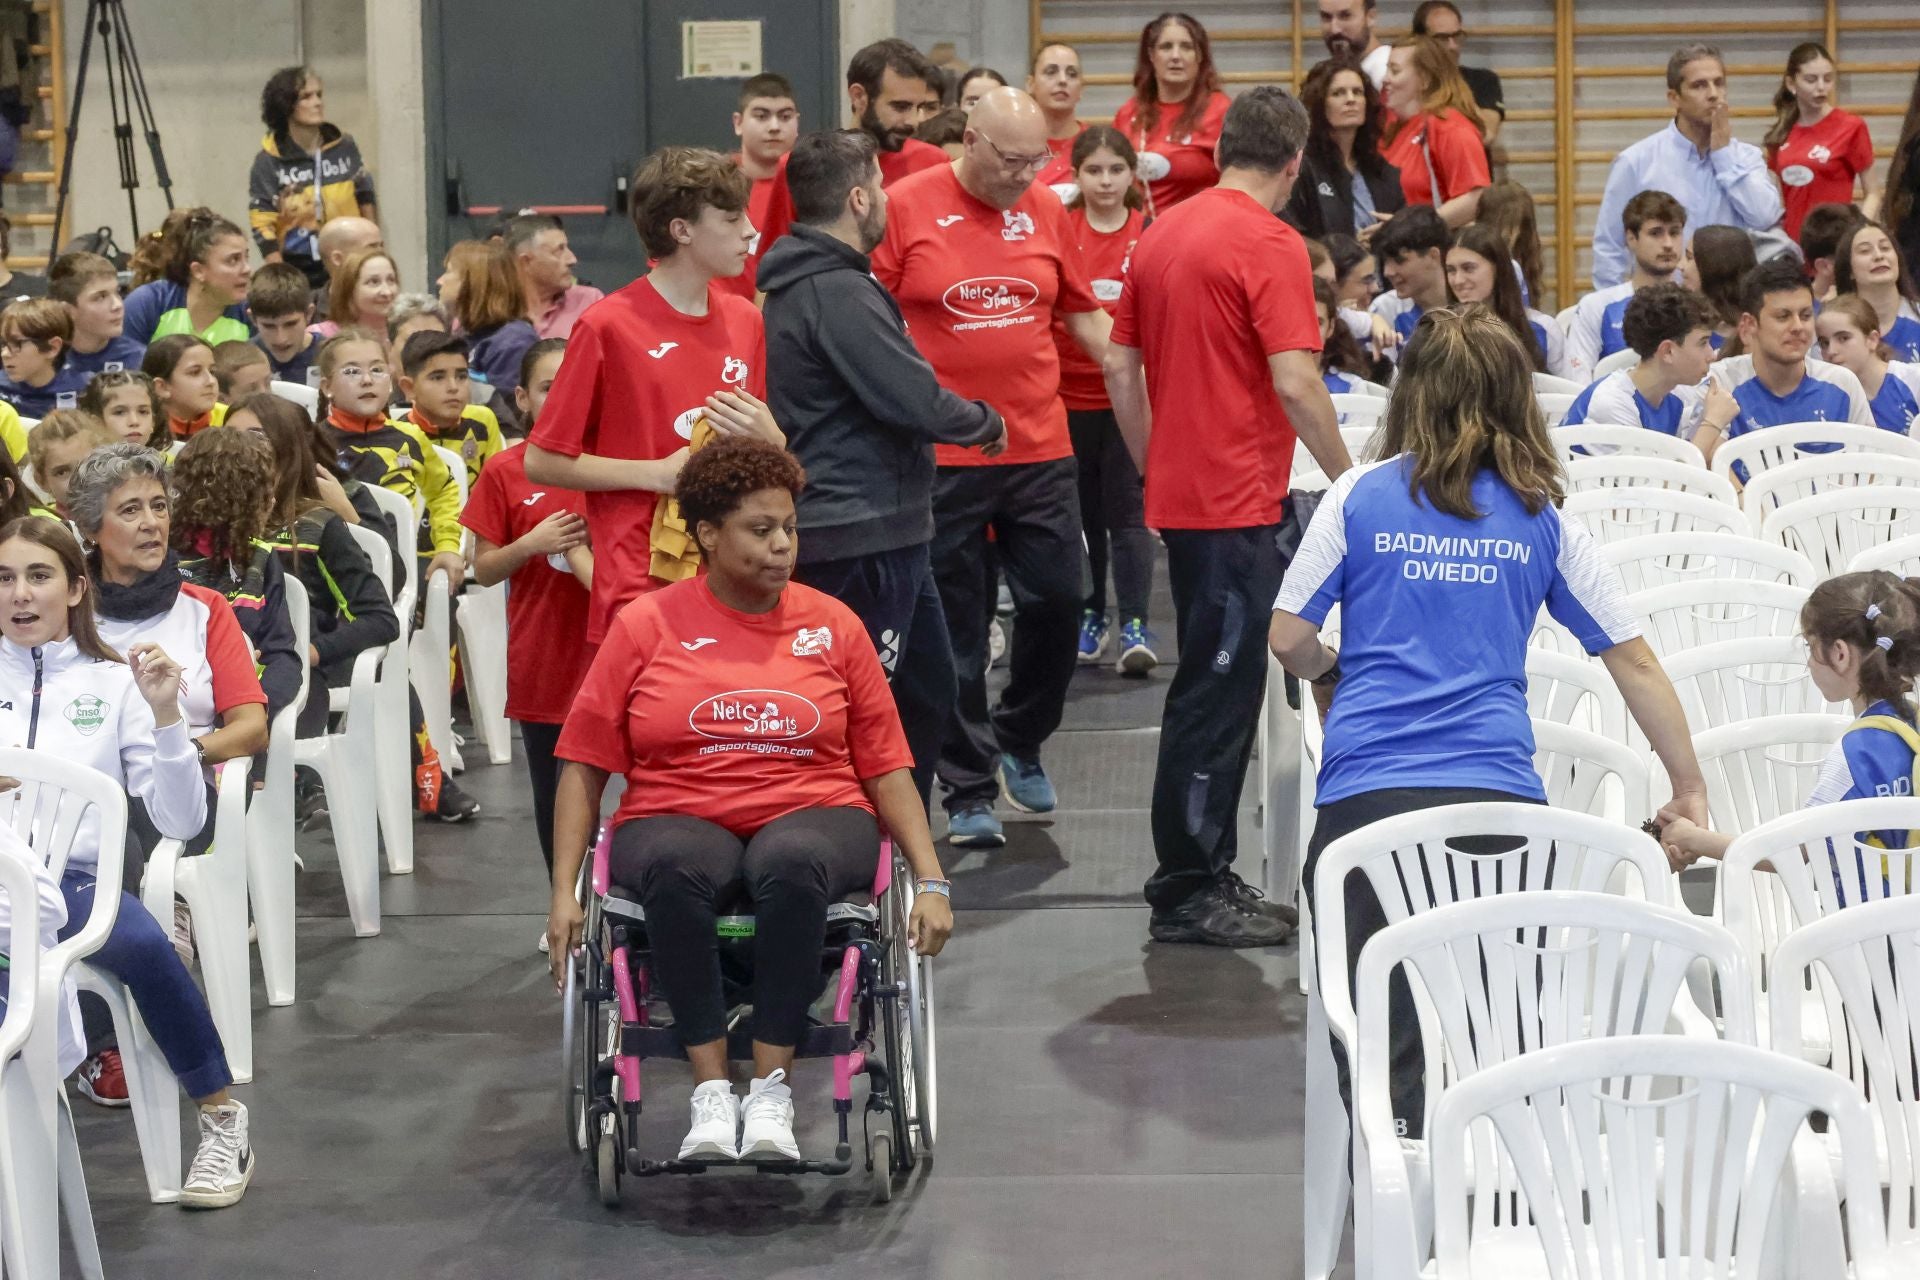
[(395, 64)]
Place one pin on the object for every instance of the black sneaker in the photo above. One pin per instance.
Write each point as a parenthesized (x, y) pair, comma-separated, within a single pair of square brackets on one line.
[(1250, 897), (455, 804), (1215, 917)]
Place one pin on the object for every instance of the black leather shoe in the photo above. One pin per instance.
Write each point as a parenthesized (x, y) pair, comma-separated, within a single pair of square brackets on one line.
[(1248, 896), (1215, 917)]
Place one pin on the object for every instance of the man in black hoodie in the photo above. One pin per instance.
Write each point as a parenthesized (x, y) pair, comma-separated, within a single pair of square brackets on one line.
[(862, 410)]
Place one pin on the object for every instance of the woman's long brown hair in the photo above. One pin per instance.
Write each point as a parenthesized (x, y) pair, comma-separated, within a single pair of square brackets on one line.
[(56, 538), (1146, 88), (1489, 245)]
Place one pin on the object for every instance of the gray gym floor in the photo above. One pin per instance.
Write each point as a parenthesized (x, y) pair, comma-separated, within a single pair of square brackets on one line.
[(1108, 1107)]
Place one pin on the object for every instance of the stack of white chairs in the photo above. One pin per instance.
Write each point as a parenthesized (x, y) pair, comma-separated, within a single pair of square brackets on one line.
[(1833, 527), (1615, 514), (1685, 615), (1771, 489), (1661, 559)]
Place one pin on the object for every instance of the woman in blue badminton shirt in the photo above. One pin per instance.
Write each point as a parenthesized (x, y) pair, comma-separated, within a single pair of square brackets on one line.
[(1441, 557)]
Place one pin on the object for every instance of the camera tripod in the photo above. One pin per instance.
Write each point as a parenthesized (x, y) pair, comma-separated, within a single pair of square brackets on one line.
[(127, 98)]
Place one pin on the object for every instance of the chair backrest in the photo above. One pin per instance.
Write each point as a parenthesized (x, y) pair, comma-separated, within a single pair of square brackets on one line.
[(1686, 615), (1901, 556), (299, 393), (1865, 966), (300, 615), (1364, 388), (1751, 679), (1624, 358), (1600, 439), (1833, 527), (457, 465), (1770, 447), (1661, 558), (19, 884), (1565, 317), (1612, 514), (1359, 409), (406, 520), (379, 556), (1759, 770), (1554, 405), (1776, 486), (56, 806), (1551, 385), (1576, 765), (1641, 471), (1638, 1157), (1574, 690)]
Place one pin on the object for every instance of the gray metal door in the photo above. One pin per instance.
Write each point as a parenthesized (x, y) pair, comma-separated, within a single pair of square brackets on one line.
[(554, 105)]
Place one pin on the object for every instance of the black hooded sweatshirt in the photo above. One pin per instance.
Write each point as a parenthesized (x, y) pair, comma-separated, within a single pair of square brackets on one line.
[(861, 406)]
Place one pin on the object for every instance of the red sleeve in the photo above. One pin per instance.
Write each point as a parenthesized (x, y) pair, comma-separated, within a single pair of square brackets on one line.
[(1860, 147), (573, 405), (236, 679), (1123, 318), (889, 258), (595, 732), (486, 509), (1275, 284), (1075, 295), (1458, 156), (779, 213), (876, 743)]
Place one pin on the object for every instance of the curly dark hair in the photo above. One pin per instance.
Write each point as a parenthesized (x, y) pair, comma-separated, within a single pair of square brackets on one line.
[(223, 491), (718, 478), (281, 95)]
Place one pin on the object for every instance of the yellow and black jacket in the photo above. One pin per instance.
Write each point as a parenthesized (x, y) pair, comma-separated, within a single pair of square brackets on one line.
[(339, 189), (398, 456), (476, 437)]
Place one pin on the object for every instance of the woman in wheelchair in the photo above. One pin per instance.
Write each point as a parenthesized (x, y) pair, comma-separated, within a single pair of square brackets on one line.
[(762, 755)]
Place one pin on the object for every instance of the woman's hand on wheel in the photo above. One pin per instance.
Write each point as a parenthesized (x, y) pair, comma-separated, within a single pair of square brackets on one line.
[(566, 922), (930, 924)]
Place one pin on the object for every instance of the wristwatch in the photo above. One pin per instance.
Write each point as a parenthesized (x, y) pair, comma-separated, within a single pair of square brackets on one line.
[(929, 885), (1330, 676), (200, 750)]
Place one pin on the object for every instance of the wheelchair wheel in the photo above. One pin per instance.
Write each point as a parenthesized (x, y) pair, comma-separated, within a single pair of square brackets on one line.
[(880, 1165), (576, 1053), (909, 1044), (607, 1162)]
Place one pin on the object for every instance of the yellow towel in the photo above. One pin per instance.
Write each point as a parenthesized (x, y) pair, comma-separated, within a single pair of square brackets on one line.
[(676, 556)]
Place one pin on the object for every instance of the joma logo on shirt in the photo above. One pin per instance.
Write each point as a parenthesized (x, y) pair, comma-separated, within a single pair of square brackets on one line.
[(754, 714), (986, 297)]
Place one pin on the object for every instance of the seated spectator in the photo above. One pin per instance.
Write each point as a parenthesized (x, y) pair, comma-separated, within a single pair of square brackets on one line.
[(223, 491), (1868, 263), (1718, 180), (282, 311), (123, 718), (1412, 252), (307, 174), (1777, 384), (537, 243), (1479, 269), (1435, 141), (974, 84), (416, 313), (797, 832), (1849, 332), (1655, 226), (481, 289), (361, 294), (1345, 186), (15, 285), (1507, 209), (240, 369), (59, 444), (1714, 266), (34, 335), (181, 369), (946, 129), (1355, 271), (127, 404), (433, 378), (1671, 329), (90, 287), (203, 288), (341, 239), (16, 499), (1820, 233), (1342, 364)]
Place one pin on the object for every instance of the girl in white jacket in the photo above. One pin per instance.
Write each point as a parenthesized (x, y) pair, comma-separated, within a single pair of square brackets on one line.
[(63, 690)]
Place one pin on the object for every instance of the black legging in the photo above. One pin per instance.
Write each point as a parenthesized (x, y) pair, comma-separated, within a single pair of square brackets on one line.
[(544, 772), (1112, 514), (687, 871)]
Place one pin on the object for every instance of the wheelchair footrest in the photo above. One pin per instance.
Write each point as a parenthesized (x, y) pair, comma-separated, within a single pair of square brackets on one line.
[(818, 1041), (644, 1168)]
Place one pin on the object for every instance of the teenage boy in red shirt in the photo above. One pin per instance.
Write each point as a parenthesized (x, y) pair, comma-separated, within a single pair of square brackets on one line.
[(767, 124), (646, 363), (1213, 371), (981, 260)]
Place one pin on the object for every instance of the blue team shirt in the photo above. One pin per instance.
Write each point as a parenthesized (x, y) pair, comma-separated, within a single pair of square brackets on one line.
[(1867, 763), (37, 402), (1616, 401), (120, 354), (1814, 400), (1423, 700), (1904, 338), (1338, 383), (1407, 321), (1613, 327), (1897, 403)]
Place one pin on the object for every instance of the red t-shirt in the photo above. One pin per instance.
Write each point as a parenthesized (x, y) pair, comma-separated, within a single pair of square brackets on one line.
[(1820, 164), (1107, 254), (912, 157), (1189, 155), (736, 718), (979, 288), (1459, 157), (1205, 320), (744, 285), (547, 648), (1059, 171), (637, 375)]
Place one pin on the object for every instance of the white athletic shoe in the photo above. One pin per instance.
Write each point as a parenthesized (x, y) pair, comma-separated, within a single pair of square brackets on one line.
[(766, 1121), (223, 1166), (716, 1123)]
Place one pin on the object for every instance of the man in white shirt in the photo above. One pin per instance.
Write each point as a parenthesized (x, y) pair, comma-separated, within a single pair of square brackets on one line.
[(1655, 226), (1347, 27)]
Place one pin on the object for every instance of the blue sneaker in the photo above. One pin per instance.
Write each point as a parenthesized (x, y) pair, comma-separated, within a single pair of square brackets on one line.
[(975, 827), (1024, 783), (1136, 650), (1093, 636)]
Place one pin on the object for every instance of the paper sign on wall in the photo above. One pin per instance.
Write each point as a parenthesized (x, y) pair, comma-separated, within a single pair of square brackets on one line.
[(711, 50)]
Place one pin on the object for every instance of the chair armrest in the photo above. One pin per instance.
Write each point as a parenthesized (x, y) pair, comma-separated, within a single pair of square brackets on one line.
[(156, 888)]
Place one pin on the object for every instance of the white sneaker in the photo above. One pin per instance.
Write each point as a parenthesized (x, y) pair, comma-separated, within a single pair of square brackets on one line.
[(544, 944), (766, 1121), (716, 1123), (223, 1166), (183, 932)]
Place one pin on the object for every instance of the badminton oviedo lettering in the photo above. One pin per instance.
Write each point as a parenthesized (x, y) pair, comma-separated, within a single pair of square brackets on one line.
[(1429, 557)]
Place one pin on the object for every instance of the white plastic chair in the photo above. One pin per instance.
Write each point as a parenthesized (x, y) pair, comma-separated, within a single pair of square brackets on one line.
[(1612, 515), (1624, 358), (1358, 410), (393, 773), (1589, 773), (214, 886), (430, 654), (1658, 559), (1750, 679), (271, 857), (1832, 528), (1648, 1156), (299, 393), (1823, 473), (1600, 439), (1759, 770), (1686, 615), (1503, 976), (1554, 405), (1548, 384), (1415, 863), (1642, 471), (1769, 447), (481, 615), (1901, 556), (1574, 691)]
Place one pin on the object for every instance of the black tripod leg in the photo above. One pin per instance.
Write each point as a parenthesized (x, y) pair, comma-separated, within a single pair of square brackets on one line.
[(73, 124), (143, 106)]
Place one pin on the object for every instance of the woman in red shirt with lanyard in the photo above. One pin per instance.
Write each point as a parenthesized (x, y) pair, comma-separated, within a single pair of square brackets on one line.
[(1106, 219), (1819, 152), (1436, 136), (1173, 119), (763, 755)]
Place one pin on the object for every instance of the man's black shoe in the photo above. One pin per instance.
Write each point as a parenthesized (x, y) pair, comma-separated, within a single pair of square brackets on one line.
[(1248, 896), (1215, 917)]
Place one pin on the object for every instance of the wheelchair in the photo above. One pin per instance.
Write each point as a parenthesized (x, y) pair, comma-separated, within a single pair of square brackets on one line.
[(878, 1022)]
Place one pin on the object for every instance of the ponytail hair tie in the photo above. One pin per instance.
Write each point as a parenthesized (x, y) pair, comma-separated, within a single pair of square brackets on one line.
[(1873, 611), (1886, 643)]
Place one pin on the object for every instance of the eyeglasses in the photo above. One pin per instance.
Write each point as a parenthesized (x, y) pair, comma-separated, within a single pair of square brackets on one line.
[(1016, 164), (354, 372)]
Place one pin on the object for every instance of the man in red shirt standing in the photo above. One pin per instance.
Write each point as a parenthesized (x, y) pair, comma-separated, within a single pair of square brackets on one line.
[(981, 261), (767, 124), (651, 360), (1213, 371)]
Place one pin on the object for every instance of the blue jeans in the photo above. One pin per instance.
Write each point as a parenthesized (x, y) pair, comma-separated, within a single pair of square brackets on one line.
[(140, 954)]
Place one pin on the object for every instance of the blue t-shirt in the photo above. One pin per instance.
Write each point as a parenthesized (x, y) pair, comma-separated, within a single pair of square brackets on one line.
[(37, 402), (297, 369), (121, 353), (1904, 338), (1338, 383), (1897, 403), (1616, 401), (1825, 393), (1867, 763), (1425, 701)]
